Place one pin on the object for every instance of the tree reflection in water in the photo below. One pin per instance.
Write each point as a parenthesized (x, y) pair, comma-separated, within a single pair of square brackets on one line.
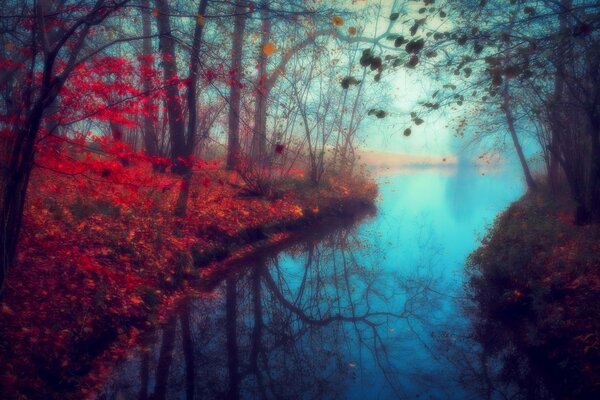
[(327, 319), (311, 328), (489, 363), (489, 354)]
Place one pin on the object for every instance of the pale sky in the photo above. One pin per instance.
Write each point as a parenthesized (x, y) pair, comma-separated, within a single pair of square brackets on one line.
[(432, 137)]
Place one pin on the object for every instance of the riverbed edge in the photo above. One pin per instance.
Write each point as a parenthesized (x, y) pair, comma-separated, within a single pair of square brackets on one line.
[(341, 211), (213, 264)]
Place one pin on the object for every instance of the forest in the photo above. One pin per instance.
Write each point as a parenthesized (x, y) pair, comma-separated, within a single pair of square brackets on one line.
[(337, 199)]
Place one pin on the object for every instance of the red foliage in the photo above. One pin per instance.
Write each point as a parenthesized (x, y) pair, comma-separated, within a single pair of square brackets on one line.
[(101, 246)]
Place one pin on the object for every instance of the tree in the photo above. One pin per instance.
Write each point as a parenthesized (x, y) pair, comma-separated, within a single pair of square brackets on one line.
[(233, 141), (149, 133), (191, 95), (173, 105), (266, 48), (182, 140), (32, 86), (548, 53)]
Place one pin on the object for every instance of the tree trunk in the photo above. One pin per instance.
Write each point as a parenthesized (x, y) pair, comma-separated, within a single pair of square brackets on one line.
[(554, 168), (259, 137), (559, 87), (150, 137), (16, 179), (582, 213), (192, 95), (506, 108), (190, 140), (13, 202), (233, 145), (184, 193), (173, 105), (594, 179)]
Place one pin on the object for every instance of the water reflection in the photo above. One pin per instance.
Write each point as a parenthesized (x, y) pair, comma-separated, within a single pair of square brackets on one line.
[(461, 200), (272, 331), (372, 311), (488, 361)]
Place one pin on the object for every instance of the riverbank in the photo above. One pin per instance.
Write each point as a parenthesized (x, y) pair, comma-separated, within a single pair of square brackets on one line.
[(537, 275), (99, 262)]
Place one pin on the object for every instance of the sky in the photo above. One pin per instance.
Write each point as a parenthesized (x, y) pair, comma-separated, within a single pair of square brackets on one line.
[(437, 135), (407, 89)]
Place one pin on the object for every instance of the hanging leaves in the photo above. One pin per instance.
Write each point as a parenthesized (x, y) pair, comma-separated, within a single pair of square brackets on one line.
[(418, 22), (378, 113), (349, 80), (376, 63), (352, 31), (269, 49), (366, 58), (337, 21), (415, 46), (414, 60), (407, 132)]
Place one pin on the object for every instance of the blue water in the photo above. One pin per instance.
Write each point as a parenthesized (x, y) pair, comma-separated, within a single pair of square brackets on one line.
[(372, 311)]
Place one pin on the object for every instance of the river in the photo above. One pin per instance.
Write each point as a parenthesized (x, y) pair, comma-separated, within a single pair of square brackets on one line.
[(370, 311)]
